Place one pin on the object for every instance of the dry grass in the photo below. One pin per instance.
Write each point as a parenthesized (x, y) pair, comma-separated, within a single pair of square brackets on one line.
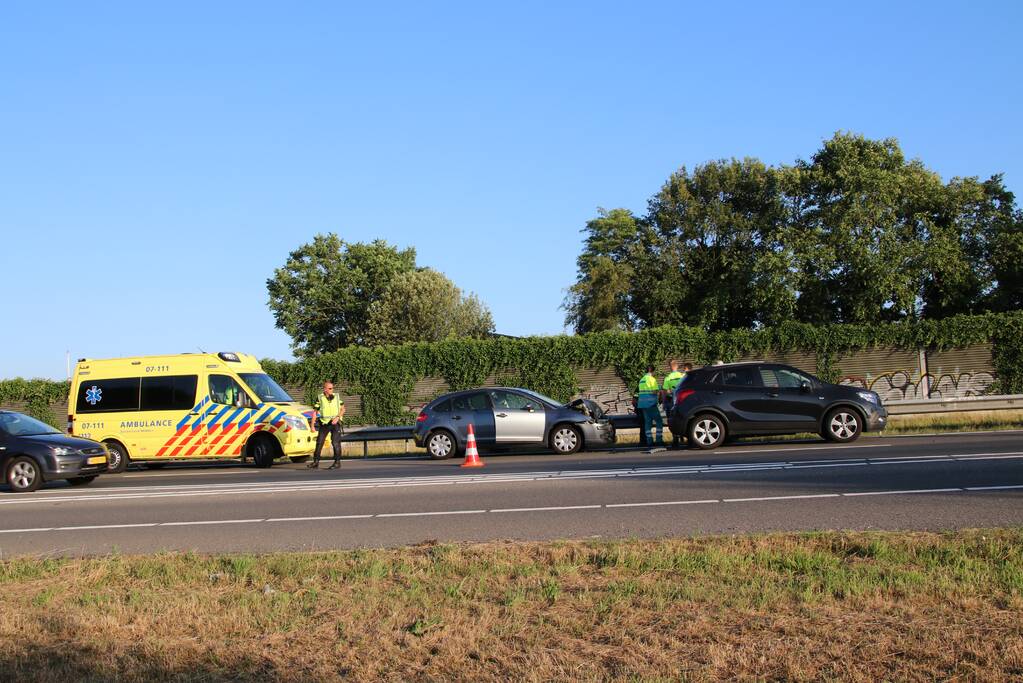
[(979, 420), (831, 606)]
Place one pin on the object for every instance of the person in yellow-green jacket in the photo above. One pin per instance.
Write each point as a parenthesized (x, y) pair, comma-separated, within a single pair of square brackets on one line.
[(330, 410), (648, 404), (673, 379)]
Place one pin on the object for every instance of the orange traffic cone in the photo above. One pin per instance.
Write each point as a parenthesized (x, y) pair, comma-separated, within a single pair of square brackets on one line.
[(472, 456)]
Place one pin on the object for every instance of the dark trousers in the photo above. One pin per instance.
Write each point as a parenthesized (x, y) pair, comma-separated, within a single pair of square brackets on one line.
[(322, 430)]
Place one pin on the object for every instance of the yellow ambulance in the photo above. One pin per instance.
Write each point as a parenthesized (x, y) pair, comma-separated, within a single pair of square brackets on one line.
[(156, 409)]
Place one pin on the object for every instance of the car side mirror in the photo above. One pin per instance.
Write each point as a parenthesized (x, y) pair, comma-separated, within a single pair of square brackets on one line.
[(805, 387)]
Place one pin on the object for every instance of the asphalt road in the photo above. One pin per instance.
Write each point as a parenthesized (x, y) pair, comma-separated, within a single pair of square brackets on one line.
[(934, 482)]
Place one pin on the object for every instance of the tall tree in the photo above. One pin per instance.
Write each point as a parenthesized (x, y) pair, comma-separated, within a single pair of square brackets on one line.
[(717, 249), (424, 305), (599, 300), (322, 295), (863, 232)]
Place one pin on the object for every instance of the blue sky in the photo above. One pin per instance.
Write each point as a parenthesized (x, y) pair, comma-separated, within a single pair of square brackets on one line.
[(159, 160)]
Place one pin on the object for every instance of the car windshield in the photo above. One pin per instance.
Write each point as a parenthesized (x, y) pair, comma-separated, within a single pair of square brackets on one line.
[(265, 388), (546, 399), (16, 424)]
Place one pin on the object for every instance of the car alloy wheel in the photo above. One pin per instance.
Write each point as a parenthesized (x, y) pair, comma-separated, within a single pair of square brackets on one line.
[(440, 446), (707, 432), (23, 475), (843, 425), (565, 440)]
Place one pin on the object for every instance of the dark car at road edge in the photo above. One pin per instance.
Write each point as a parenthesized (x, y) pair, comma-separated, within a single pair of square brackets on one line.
[(720, 402), (33, 452)]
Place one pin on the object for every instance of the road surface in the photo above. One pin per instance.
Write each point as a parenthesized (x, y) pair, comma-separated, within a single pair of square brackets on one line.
[(933, 482)]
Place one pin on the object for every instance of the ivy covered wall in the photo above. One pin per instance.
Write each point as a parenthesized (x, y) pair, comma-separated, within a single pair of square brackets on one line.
[(384, 377)]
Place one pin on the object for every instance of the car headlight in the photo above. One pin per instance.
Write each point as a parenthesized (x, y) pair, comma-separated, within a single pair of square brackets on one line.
[(295, 422), (868, 396), (63, 450)]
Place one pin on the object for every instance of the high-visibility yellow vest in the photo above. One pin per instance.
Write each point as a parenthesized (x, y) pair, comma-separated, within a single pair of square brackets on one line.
[(328, 408), (672, 380), (647, 391)]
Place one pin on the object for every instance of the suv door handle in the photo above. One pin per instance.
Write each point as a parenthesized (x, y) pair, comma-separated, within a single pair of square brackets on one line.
[(773, 394), (502, 414), (456, 417), (719, 393)]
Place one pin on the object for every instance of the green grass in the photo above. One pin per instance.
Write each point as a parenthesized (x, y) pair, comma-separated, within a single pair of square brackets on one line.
[(786, 606)]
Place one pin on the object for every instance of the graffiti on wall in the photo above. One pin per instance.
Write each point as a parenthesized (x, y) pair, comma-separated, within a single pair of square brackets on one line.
[(904, 385)]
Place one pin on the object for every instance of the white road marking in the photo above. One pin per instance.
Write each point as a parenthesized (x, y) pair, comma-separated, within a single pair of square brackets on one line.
[(562, 508), (549, 509), (663, 502), (750, 500), (428, 514), (306, 486), (903, 492)]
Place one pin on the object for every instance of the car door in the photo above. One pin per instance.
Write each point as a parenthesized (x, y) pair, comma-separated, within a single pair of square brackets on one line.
[(473, 408), (518, 418), (800, 401), (741, 394)]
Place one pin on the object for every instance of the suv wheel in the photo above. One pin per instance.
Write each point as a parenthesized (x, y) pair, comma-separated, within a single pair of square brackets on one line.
[(23, 474), (707, 431), (565, 440), (440, 445), (842, 425)]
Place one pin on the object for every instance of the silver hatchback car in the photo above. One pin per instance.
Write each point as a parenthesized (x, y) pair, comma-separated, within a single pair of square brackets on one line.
[(508, 416)]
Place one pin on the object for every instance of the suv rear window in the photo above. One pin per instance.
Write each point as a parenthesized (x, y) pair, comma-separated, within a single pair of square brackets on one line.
[(739, 377)]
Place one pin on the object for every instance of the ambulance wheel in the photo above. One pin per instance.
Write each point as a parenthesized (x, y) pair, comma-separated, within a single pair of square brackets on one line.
[(118, 461), (298, 458), (261, 450)]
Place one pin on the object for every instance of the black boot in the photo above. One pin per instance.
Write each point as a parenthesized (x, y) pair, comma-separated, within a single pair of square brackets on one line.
[(335, 465), (315, 464)]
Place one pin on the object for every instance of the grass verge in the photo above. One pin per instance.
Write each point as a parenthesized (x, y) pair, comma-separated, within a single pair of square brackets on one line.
[(846, 606)]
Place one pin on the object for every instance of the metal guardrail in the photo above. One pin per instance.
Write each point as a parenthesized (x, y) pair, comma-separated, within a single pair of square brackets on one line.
[(924, 406), (373, 433)]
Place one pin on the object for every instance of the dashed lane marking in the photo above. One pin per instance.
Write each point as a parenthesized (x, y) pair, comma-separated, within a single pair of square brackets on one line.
[(561, 508)]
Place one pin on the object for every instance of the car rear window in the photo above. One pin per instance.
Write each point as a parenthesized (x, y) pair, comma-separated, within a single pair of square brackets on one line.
[(739, 377), (442, 407)]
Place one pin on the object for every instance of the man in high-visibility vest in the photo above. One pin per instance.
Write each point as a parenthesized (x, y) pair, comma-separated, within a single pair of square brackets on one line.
[(647, 402), (329, 411), (670, 382)]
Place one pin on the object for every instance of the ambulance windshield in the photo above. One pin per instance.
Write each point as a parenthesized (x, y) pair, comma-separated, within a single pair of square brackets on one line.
[(265, 388)]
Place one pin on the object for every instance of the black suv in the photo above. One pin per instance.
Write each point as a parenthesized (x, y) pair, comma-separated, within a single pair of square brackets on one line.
[(32, 452), (718, 402)]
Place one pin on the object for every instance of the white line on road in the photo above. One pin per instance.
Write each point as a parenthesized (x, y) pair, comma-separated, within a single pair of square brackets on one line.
[(280, 486), (562, 508)]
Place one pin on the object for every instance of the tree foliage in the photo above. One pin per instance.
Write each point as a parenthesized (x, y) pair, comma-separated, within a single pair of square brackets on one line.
[(855, 234), (424, 305)]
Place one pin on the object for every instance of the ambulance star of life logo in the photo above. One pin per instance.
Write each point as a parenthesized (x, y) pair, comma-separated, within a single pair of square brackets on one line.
[(94, 395)]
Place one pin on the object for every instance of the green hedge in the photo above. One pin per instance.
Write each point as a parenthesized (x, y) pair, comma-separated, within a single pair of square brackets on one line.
[(385, 376)]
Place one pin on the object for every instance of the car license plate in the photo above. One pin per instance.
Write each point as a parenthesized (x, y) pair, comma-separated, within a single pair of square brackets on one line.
[(96, 460)]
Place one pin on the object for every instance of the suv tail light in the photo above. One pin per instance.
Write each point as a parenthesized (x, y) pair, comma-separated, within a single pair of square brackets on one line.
[(421, 417), (683, 395)]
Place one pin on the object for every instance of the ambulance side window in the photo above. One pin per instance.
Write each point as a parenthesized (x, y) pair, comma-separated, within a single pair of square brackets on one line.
[(225, 391), (169, 393)]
